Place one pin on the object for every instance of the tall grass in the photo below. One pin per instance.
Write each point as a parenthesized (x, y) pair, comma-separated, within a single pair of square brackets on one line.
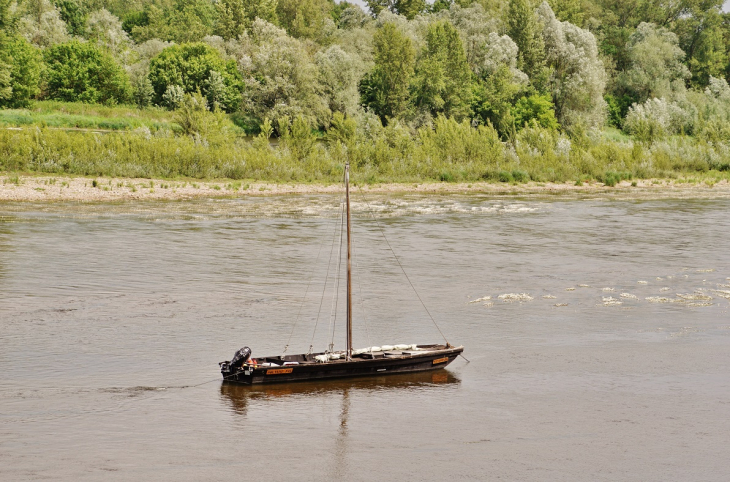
[(447, 152), (76, 115)]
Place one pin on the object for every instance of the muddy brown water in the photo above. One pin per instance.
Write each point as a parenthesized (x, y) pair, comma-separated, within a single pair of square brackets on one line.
[(615, 366)]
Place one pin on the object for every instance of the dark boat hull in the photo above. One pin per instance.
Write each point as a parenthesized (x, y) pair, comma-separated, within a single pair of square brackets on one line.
[(429, 360)]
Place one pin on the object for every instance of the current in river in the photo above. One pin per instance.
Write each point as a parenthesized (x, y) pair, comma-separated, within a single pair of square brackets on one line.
[(597, 333)]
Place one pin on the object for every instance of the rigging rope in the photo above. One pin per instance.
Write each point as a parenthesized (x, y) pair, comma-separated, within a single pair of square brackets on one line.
[(335, 298), (400, 265), (309, 283), (324, 289), (359, 288)]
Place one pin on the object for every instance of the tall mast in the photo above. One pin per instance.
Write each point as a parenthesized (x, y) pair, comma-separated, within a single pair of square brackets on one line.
[(349, 265)]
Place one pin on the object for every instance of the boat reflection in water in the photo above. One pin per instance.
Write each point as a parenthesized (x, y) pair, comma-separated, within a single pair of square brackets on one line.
[(241, 397)]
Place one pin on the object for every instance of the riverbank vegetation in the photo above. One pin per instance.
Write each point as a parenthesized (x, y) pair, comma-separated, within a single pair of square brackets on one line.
[(289, 90)]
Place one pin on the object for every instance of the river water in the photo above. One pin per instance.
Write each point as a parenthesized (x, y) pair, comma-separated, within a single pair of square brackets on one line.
[(607, 356)]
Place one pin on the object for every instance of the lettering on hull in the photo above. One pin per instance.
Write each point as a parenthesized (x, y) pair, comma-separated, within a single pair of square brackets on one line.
[(279, 371), (440, 360)]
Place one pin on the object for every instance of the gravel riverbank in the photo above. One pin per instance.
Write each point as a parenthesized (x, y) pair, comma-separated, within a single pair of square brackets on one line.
[(63, 188)]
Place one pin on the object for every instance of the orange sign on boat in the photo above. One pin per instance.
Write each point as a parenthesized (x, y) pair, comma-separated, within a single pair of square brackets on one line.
[(440, 360), (279, 371)]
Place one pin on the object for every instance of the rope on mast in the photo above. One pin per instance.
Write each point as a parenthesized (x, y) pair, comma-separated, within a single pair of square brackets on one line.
[(324, 289), (309, 283), (335, 297), (359, 288), (400, 265)]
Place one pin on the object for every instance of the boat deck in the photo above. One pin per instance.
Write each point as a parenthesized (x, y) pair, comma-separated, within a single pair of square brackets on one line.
[(290, 368)]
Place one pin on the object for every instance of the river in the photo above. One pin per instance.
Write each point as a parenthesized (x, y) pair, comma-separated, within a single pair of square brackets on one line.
[(599, 348)]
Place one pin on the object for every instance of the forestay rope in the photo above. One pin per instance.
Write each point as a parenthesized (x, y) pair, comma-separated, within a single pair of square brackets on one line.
[(400, 265), (324, 288), (309, 283)]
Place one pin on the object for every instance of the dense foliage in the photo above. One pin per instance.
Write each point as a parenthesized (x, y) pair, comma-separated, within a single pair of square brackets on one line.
[(504, 75), (85, 72)]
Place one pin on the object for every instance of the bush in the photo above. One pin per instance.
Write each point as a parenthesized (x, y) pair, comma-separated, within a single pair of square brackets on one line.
[(505, 176), (24, 65), (196, 67), (77, 71), (611, 178), (655, 119), (520, 176), (536, 107)]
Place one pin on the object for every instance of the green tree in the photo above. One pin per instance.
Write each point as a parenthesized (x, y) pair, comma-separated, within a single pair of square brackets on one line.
[(232, 18), (184, 21), (41, 23), (190, 66), (281, 78), (196, 120), (143, 91), (577, 77), (443, 77), (339, 73), (83, 72), (135, 18), (538, 108), (304, 18), (407, 8), (386, 88), (568, 11), (263, 9), (700, 34), (6, 17), (74, 13), (6, 90), (656, 67), (524, 29), (493, 98), (236, 16), (23, 64), (105, 29)]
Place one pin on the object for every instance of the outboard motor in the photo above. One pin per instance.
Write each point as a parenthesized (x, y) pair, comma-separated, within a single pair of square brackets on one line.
[(240, 358)]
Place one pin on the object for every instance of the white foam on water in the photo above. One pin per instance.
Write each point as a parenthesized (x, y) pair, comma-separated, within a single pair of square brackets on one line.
[(483, 298), (722, 293), (629, 296), (489, 304), (548, 297), (560, 304), (696, 296), (661, 299), (584, 286), (427, 206), (686, 330), (641, 282), (666, 288), (515, 297), (569, 289), (706, 270), (608, 289), (611, 301)]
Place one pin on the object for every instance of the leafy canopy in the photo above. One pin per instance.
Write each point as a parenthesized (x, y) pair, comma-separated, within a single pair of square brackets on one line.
[(196, 67), (84, 72)]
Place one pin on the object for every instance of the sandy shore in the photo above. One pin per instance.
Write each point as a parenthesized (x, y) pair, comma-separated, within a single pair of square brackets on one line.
[(64, 188)]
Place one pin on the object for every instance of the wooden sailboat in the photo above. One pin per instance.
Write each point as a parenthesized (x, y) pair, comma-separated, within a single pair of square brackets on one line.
[(372, 361)]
